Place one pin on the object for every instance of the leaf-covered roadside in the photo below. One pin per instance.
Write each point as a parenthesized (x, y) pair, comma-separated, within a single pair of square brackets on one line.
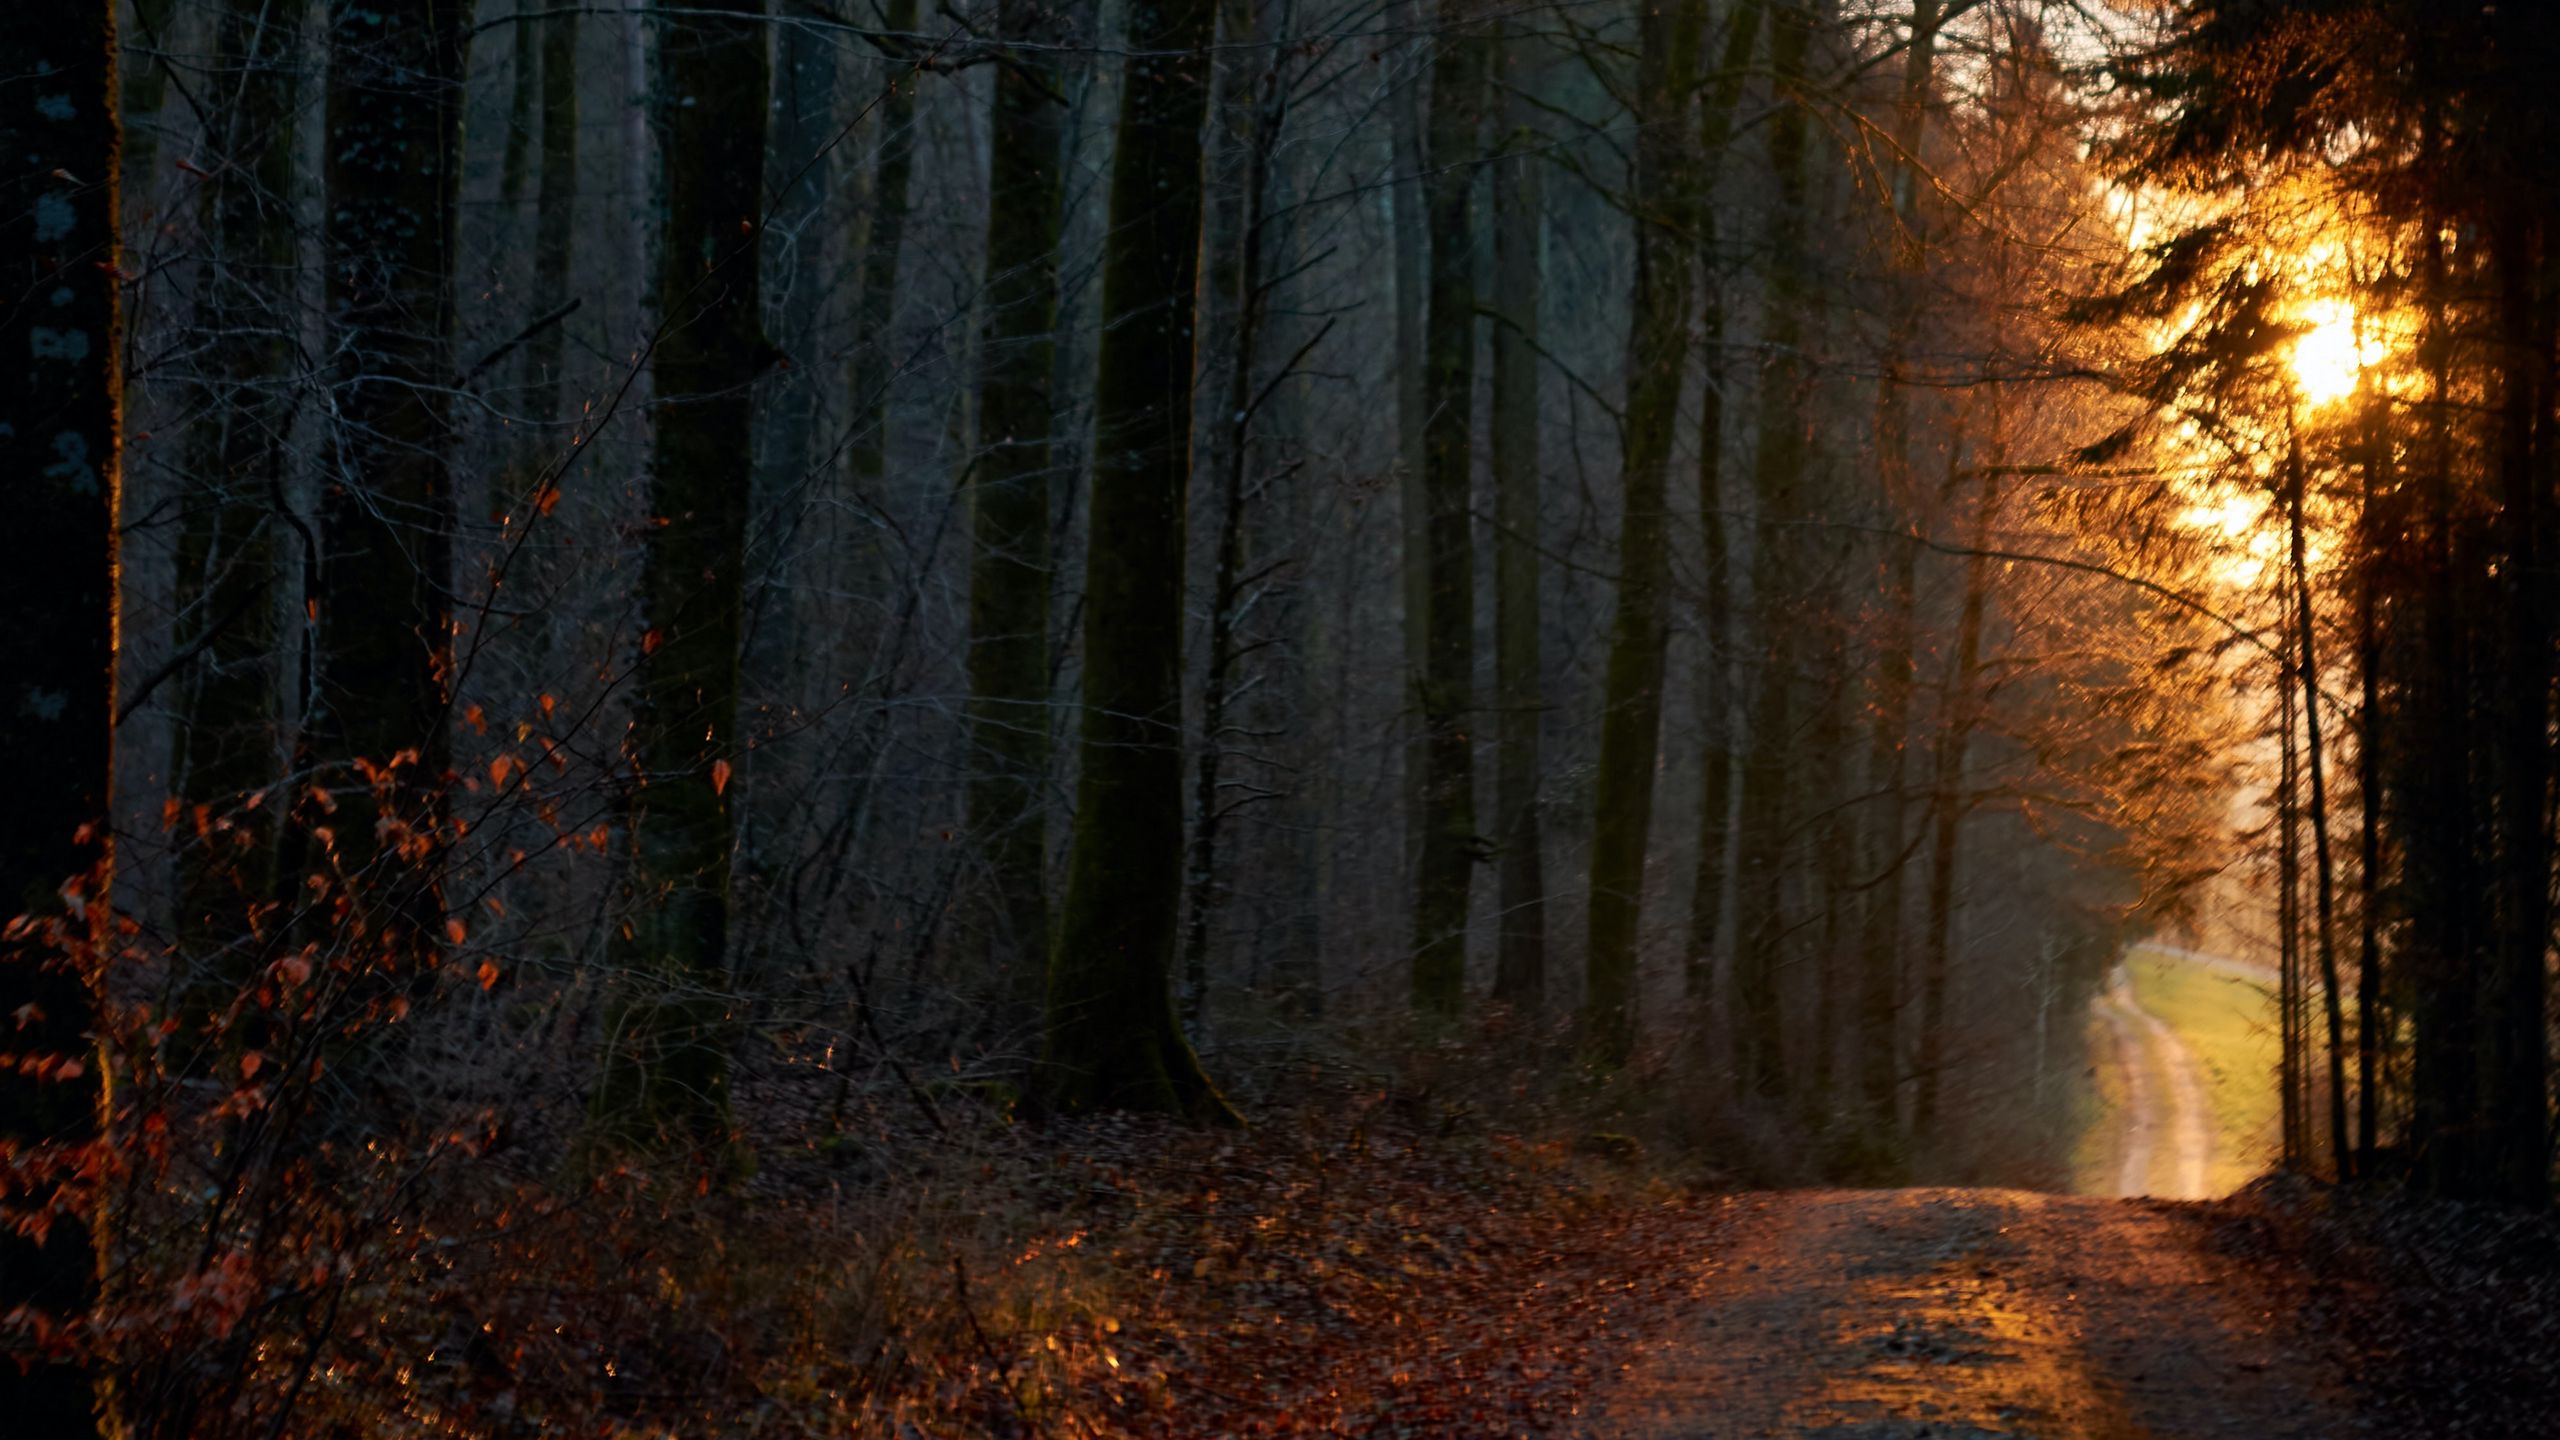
[(1364, 1259), (1334, 1272), (2449, 1313)]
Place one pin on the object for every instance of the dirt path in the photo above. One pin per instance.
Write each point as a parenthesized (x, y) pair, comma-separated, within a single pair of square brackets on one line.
[(2164, 1100), (1893, 1315), (2141, 1107)]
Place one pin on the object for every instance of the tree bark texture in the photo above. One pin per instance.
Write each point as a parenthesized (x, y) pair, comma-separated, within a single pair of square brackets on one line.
[(59, 446), (1113, 1041), (666, 1076)]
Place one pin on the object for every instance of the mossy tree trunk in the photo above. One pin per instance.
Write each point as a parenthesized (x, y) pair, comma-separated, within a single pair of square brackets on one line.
[(382, 600), (59, 448), (666, 1077), (1112, 1037), (1009, 569), (1445, 869), (1662, 200)]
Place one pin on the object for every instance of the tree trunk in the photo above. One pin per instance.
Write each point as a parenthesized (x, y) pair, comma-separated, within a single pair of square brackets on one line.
[(2517, 1166), (229, 743), (1657, 357), (1777, 564), (1009, 573), (1947, 806), (1520, 957), (2369, 720), (2294, 1088), (1446, 870), (382, 600), (1715, 603), (1409, 236), (1880, 939), (666, 1077), (554, 224), (2438, 818), (875, 363), (59, 446), (2325, 869), (1236, 258), (1113, 1039)]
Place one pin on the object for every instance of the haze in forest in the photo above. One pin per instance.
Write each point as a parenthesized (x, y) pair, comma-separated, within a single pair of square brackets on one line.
[(713, 709)]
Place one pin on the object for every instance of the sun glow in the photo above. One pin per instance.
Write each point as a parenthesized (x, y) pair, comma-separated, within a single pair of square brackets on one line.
[(2330, 357)]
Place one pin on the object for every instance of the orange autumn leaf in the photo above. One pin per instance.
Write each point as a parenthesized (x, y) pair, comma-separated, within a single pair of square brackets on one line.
[(719, 777), (454, 931), (488, 976), (501, 768)]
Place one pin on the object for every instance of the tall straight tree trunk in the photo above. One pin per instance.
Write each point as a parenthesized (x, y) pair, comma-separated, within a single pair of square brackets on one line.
[(2444, 1089), (229, 744), (797, 171), (1520, 956), (59, 442), (1409, 237), (1113, 1041), (1662, 201), (666, 1076), (1778, 481), (875, 362), (1947, 806), (2291, 1072), (1252, 110), (382, 601), (2369, 720), (1880, 936), (799, 259), (1715, 604), (2517, 1167), (1009, 573), (554, 222), (2325, 868), (1446, 869)]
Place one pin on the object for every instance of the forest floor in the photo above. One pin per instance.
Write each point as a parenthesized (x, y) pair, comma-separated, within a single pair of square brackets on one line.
[(1384, 1257)]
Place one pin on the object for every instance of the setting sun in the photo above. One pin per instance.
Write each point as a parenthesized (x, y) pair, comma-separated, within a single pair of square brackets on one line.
[(2329, 357)]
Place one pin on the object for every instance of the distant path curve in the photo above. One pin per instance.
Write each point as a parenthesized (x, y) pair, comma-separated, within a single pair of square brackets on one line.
[(2238, 969), (2164, 1094), (2190, 1132)]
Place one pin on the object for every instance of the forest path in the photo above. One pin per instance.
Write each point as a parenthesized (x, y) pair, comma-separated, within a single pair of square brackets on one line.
[(2164, 1100), (1898, 1314)]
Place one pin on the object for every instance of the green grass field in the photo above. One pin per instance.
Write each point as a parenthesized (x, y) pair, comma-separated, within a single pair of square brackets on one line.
[(2229, 1025)]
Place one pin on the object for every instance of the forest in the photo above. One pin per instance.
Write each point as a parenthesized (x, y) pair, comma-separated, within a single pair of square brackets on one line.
[(1219, 717)]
